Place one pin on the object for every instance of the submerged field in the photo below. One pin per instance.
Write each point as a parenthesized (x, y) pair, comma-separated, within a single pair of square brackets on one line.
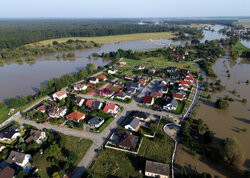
[(114, 38)]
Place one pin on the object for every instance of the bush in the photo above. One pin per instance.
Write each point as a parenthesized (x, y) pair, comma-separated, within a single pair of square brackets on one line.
[(221, 104)]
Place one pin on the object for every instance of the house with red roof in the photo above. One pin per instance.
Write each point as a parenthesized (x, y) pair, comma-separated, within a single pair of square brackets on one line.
[(122, 63), (89, 103), (178, 96), (111, 108), (185, 83), (177, 56), (148, 100), (142, 82), (156, 94), (105, 92), (58, 96), (102, 77), (75, 116), (190, 78)]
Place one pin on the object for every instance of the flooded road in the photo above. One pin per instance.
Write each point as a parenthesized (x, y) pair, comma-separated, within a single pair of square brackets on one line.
[(234, 120)]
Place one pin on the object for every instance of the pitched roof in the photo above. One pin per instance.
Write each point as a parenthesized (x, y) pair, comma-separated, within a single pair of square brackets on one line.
[(134, 123), (34, 135), (43, 107), (184, 82), (95, 120), (127, 139), (101, 77), (108, 107), (60, 93), (89, 103), (15, 156), (8, 132), (174, 102), (140, 114), (157, 168), (147, 99), (78, 99), (75, 116), (7, 172), (178, 95), (156, 94)]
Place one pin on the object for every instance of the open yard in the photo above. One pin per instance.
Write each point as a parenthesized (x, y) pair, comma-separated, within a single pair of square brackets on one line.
[(239, 47), (114, 38), (4, 114), (72, 150)]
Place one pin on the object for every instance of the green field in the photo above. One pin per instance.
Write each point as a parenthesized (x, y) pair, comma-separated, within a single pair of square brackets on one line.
[(78, 146), (4, 114), (239, 47), (114, 38)]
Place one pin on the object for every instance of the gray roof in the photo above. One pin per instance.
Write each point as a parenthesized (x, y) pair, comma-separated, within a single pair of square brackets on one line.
[(157, 168), (134, 123), (141, 115), (15, 156), (8, 132), (95, 120), (174, 102)]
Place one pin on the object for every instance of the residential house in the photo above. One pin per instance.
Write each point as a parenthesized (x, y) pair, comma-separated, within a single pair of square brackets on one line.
[(20, 159), (57, 111), (79, 101), (131, 91), (95, 122), (152, 70), (142, 116), (122, 95), (136, 86), (93, 80), (9, 133), (125, 139), (156, 94), (96, 105), (75, 116), (178, 96), (142, 82), (89, 103), (186, 53), (133, 125), (111, 108), (112, 70), (129, 77), (148, 100), (58, 96), (43, 108), (155, 169), (174, 75), (163, 89), (80, 87), (190, 78), (171, 69), (37, 136), (102, 77), (184, 71), (177, 56), (141, 67), (105, 92), (183, 88), (171, 106), (185, 83), (122, 63), (7, 172), (144, 78)]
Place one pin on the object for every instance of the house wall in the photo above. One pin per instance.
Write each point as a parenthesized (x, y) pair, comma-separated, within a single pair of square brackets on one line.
[(151, 174)]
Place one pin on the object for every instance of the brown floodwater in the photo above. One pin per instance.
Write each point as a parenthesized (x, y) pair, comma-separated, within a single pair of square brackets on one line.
[(231, 121)]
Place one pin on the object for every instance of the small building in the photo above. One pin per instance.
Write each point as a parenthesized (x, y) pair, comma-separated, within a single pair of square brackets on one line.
[(136, 86), (112, 70), (20, 159), (105, 92), (43, 108), (142, 116), (129, 77), (178, 96), (102, 77), (37, 136), (156, 94), (95, 122), (183, 88), (133, 125), (57, 111), (155, 169), (58, 96), (163, 89), (93, 80), (122, 95), (75, 116), (96, 105), (80, 87), (7, 172), (171, 106), (141, 67), (148, 100), (142, 82), (10, 133), (79, 101), (122, 63), (152, 70), (111, 108), (184, 71), (131, 91), (125, 139), (183, 82), (174, 75)]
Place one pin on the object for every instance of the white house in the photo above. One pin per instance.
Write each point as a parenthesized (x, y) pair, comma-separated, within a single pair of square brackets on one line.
[(80, 87), (111, 108), (21, 159), (133, 125), (171, 106), (155, 169), (59, 95), (10, 133), (37, 136), (57, 111), (93, 80)]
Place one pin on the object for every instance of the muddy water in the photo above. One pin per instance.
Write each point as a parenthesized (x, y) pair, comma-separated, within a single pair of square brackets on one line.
[(230, 122)]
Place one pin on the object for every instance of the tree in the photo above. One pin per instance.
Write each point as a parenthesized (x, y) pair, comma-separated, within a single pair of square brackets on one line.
[(208, 96), (202, 128), (221, 104), (90, 67), (55, 43), (53, 150), (233, 152), (62, 102), (244, 100)]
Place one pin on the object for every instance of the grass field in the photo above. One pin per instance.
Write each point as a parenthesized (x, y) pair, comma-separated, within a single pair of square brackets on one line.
[(180, 107), (76, 145), (160, 63), (114, 38), (4, 114), (239, 47)]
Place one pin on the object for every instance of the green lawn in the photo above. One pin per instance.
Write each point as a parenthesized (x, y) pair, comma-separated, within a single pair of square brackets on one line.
[(159, 148), (4, 113), (78, 146), (239, 47), (112, 163), (180, 107)]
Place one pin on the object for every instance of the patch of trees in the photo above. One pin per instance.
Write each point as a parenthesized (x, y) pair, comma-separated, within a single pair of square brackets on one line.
[(225, 22), (221, 103), (38, 50)]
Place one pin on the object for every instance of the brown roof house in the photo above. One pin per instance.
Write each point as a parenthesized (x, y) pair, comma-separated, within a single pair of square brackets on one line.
[(37, 136), (148, 100), (155, 169), (21, 159), (58, 96), (7, 172)]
